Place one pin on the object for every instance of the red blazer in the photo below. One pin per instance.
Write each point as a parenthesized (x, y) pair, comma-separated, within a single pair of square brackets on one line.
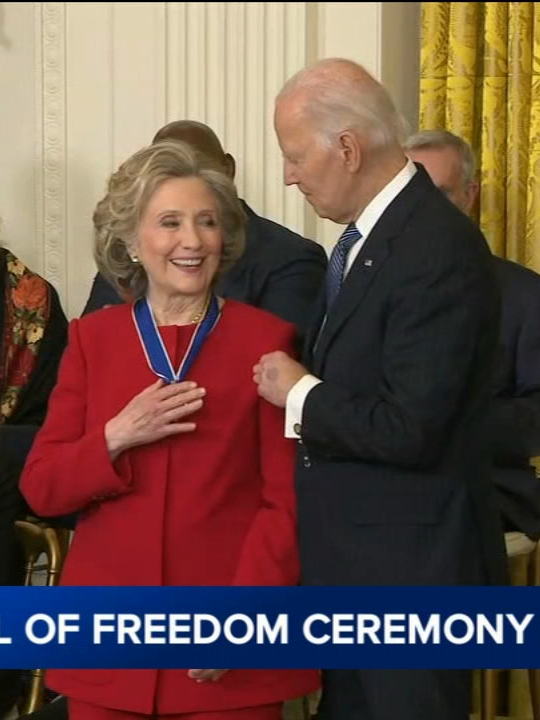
[(213, 507)]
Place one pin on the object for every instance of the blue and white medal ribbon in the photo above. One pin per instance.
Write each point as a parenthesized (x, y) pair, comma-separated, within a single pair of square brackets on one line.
[(152, 343)]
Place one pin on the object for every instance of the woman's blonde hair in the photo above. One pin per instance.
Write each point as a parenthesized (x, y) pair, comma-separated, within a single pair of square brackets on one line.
[(117, 215)]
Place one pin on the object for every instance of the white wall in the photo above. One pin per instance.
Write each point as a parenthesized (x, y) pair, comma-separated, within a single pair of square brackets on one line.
[(83, 85)]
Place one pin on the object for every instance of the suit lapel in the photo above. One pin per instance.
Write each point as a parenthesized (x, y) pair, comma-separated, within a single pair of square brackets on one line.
[(370, 260), (315, 327), (367, 264)]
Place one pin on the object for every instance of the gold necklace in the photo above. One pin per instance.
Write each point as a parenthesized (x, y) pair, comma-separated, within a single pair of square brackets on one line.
[(199, 316)]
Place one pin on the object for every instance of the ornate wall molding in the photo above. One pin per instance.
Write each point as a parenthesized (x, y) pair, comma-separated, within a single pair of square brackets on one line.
[(93, 81), (225, 64), (53, 142)]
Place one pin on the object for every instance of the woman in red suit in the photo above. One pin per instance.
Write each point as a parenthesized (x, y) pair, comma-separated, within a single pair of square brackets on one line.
[(157, 437)]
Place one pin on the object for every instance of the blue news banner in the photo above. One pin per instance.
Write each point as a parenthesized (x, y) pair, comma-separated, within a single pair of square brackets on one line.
[(263, 627)]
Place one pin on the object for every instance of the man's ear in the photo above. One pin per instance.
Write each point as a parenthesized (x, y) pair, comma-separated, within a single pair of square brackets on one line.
[(350, 150), (471, 193), (230, 165)]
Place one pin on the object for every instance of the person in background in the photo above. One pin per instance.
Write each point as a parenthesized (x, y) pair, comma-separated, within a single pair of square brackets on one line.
[(145, 390), (279, 271), (33, 335), (515, 408), (390, 403)]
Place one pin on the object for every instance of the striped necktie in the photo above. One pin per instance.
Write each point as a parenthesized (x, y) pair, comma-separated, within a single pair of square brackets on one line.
[(338, 261)]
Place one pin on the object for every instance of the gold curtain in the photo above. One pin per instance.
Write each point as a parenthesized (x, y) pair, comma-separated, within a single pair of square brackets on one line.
[(480, 78)]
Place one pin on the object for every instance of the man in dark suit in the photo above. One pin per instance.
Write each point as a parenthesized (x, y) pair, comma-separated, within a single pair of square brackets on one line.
[(279, 271), (390, 404), (515, 409)]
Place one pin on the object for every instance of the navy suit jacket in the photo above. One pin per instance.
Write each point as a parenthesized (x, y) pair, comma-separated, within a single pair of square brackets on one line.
[(516, 406), (393, 476), (279, 271)]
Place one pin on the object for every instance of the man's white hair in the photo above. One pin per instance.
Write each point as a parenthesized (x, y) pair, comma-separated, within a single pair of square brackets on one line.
[(440, 140), (341, 95)]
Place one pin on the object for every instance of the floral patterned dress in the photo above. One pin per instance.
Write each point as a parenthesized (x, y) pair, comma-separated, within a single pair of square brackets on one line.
[(33, 331)]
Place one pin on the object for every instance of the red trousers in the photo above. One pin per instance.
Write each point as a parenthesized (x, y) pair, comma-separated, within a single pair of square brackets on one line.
[(85, 711)]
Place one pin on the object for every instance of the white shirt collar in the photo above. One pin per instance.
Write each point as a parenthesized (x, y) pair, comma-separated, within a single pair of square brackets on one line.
[(371, 214)]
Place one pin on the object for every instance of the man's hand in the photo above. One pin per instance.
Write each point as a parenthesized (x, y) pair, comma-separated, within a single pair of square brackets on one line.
[(275, 374)]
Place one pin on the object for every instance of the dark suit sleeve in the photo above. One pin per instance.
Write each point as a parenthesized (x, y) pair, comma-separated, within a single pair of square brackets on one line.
[(516, 418), (15, 443), (292, 289), (434, 325), (101, 294)]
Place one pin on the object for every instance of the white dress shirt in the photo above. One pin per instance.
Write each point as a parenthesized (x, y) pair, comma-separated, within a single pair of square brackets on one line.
[(365, 224)]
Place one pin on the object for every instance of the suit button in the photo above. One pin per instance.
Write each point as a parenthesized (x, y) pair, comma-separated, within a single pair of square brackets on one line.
[(297, 428), (307, 462)]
